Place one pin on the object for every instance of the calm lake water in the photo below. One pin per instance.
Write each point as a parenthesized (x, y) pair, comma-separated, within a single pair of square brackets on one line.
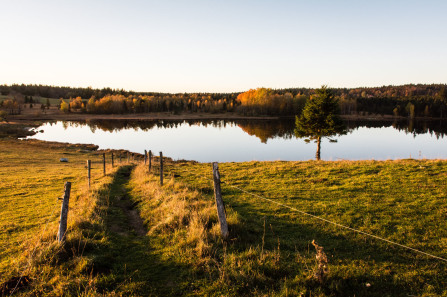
[(246, 140)]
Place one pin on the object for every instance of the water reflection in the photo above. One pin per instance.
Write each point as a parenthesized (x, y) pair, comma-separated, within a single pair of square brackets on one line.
[(245, 140), (435, 128), (117, 125), (264, 129)]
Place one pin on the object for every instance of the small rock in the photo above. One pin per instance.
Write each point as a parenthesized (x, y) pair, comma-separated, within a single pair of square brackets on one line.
[(64, 160)]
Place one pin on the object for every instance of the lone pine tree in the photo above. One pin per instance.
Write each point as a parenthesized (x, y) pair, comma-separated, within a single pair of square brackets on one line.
[(320, 118)]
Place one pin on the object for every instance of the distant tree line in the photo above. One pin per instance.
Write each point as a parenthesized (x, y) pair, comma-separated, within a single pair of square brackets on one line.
[(406, 100), (120, 104), (60, 92), (111, 101)]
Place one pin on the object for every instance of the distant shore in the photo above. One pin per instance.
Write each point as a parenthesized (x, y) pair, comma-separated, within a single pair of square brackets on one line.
[(53, 114)]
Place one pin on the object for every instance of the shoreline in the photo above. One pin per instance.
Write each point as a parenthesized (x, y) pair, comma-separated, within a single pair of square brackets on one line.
[(53, 114)]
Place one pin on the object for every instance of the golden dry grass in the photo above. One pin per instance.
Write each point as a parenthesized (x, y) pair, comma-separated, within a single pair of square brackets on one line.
[(32, 178)]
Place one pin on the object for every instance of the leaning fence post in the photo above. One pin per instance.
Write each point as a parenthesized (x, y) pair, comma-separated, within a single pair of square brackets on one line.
[(219, 202), (161, 168), (104, 163), (89, 168), (120, 158), (112, 160), (145, 157), (150, 160), (64, 213)]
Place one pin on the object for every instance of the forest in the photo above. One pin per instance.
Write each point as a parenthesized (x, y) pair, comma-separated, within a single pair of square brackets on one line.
[(412, 100)]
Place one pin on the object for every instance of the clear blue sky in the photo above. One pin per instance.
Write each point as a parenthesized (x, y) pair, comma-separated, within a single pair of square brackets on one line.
[(222, 46)]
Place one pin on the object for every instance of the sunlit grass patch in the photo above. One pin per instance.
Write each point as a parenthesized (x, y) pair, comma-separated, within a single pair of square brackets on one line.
[(32, 179), (176, 247), (401, 201)]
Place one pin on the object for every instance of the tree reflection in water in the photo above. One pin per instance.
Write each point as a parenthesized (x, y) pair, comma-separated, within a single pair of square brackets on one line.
[(265, 129)]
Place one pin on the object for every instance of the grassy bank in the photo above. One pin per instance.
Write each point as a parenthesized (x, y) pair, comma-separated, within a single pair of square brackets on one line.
[(32, 178), (131, 236)]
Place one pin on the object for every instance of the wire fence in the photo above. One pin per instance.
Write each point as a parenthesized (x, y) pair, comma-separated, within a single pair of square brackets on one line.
[(97, 165), (323, 219), (130, 159)]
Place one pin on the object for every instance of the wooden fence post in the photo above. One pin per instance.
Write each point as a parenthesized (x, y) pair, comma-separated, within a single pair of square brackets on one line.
[(219, 202), (112, 160), (128, 158), (104, 163), (161, 168), (145, 157), (120, 158), (89, 168), (150, 160), (64, 213)]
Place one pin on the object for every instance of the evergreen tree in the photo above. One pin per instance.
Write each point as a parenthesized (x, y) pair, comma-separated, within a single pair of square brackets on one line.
[(320, 118), (442, 99)]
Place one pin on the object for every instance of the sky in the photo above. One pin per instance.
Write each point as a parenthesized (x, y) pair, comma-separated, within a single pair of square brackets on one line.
[(222, 46)]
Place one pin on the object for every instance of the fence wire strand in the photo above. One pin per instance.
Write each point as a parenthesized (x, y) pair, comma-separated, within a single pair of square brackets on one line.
[(328, 221)]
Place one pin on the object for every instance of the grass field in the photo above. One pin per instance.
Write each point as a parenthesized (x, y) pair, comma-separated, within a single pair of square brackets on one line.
[(32, 178), (37, 99), (132, 236), (402, 201)]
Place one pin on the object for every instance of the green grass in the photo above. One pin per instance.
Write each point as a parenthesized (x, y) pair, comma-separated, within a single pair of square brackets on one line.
[(32, 178), (132, 237), (402, 201), (37, 99)]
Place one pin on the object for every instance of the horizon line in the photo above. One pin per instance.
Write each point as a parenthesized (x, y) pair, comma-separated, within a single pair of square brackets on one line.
[(217, 92)]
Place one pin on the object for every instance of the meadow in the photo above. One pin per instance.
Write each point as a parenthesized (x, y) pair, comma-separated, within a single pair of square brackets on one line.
[(130, 236), (401, 201), (32, 179)]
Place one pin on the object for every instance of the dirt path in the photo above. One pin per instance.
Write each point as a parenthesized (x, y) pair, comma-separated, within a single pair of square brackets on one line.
[(129, 264), (128, 218)]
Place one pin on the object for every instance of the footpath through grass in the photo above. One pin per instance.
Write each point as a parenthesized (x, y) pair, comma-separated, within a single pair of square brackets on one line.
[(127, 262), (129, 236)]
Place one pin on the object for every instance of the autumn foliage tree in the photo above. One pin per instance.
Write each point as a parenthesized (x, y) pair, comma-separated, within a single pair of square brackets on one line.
[(65, 107), (320, 118), (11, 106), (420, 100), (264, 101)]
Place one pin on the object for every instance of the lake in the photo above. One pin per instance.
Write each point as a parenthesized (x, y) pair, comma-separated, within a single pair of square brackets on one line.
[(247, 140)]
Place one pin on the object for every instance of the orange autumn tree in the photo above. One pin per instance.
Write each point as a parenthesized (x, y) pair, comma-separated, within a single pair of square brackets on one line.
[(265, 101)]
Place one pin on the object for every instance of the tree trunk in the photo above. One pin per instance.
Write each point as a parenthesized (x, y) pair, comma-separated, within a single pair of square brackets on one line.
[(317, 155)]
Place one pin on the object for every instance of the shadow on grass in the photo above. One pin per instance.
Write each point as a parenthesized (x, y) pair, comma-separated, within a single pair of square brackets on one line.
[(125, 261), (359, 265)]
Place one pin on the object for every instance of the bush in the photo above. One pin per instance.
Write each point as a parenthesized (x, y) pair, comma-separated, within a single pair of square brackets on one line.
[(65, 107), (3, 115)]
